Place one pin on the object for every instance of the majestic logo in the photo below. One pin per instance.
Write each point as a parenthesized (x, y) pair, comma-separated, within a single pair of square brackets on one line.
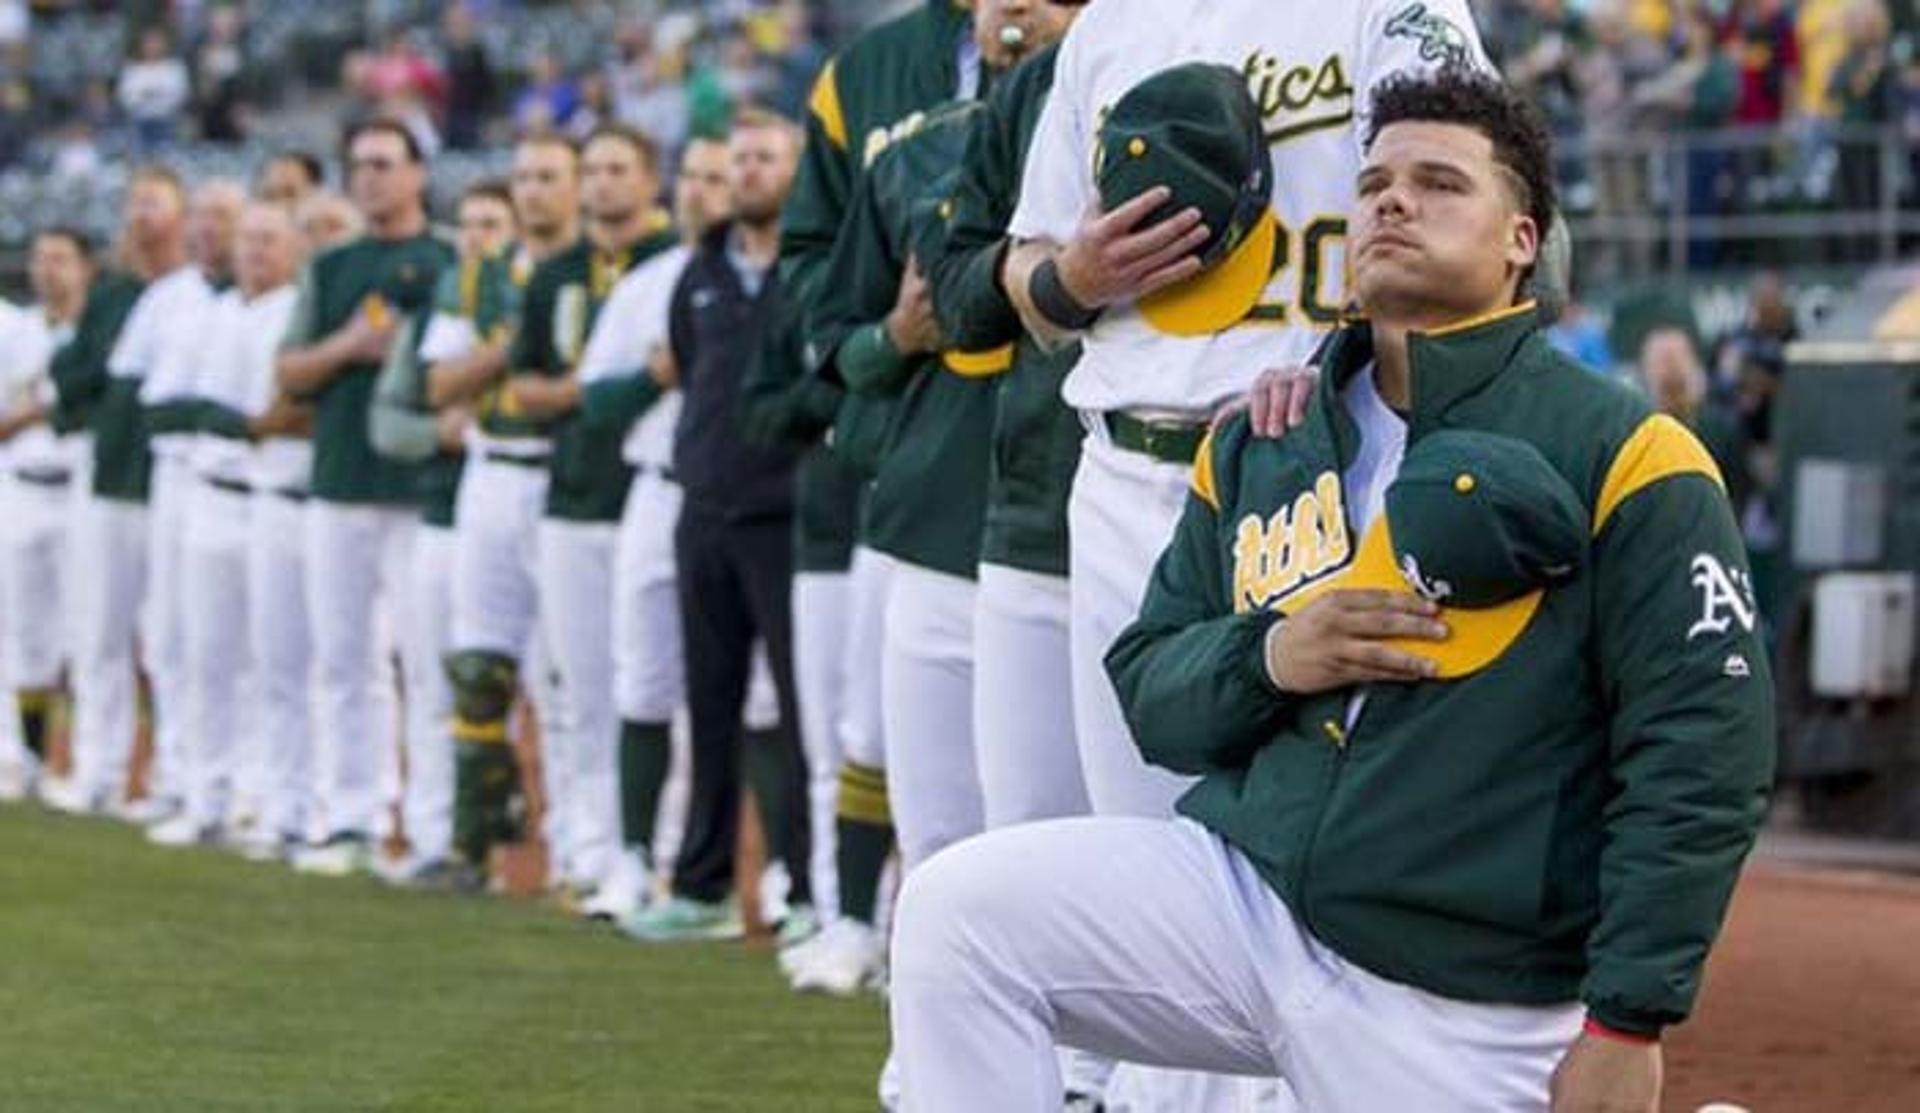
[(1276, 555), (1726, 597), (1295, 100), (1736, 667), (1440, 41), (1435, 591)]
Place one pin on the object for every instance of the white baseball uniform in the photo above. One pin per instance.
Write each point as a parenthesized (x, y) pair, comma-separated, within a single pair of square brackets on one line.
[(426, 800), (38, 469), (161, 345), (223, 745), (279, 638), (1310, 69)]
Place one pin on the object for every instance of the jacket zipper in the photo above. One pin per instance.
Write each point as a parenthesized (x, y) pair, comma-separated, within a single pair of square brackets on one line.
[(1342, 739)]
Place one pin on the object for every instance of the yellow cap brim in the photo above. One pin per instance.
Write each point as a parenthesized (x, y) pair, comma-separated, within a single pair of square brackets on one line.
[(1220, 296), (1476, 636)]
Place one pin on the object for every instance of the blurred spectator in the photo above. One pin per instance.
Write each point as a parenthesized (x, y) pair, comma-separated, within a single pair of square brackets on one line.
[(1862, 91), (471, 88), (76, 155), (1616, 63), (549, 100), (595, 108), (218, 69), (1675, 381), (153, 88), (1580, 335), (647, 89), (290, 177), (16, 120), (1699, 92), (1749, 361), (401, 73), (1766, 48), (16, 22)]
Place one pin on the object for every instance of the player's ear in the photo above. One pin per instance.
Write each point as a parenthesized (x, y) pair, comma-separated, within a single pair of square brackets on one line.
[(1523, 241)]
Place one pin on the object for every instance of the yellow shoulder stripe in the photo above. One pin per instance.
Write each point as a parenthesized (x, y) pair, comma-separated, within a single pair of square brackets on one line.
[(825, 104), (980, 364), (1661, 447), (1203, 471)]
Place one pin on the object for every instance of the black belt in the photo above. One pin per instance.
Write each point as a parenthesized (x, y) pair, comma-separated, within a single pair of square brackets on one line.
[(44, 477), (496, 456), (1172, 442), (664, 473), (231, 486)]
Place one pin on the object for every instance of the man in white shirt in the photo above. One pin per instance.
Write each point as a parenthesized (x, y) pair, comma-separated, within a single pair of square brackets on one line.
[(39, 468), (162, 348), (229, 402)]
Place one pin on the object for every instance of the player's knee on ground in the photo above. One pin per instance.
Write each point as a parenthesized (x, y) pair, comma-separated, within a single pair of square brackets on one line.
[(483, 686)]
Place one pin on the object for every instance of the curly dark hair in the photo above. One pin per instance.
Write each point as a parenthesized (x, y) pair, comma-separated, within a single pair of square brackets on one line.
[(1483, 102)]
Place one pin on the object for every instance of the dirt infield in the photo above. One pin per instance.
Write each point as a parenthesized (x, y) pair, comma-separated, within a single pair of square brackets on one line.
[(1812, 1000)]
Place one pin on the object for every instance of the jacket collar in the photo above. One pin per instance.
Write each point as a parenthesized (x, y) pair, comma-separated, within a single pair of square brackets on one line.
[(1447, 365)]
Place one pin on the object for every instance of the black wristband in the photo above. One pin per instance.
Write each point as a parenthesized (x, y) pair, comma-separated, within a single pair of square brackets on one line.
[(1051, 298)]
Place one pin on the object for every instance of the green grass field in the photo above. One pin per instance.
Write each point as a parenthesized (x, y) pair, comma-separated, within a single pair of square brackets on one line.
[(134, 978)]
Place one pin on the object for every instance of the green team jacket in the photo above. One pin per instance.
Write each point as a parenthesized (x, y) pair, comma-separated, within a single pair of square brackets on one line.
[(87, 397), (1036, 437), (587, 479), (921, 423), (401, 275), (400, 424), (905, 65), (1566, 823)]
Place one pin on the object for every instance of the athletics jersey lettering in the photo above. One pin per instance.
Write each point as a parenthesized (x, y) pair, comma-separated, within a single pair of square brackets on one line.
[(1275, 556), (1295, 100)]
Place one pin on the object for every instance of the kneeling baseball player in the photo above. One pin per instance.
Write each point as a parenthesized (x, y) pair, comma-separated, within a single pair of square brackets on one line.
[(1467, 667)]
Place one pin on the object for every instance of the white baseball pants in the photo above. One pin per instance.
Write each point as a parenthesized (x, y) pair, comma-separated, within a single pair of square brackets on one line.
[(581, 744), (1121, 514), (220, 735), (163, 642), (280, 640), (1022, 711), (359, 561), (426, 803), (36, 605), (109, 580), (496, 561), (926, 696), (1156, 942), (861, 729), (820, 624)]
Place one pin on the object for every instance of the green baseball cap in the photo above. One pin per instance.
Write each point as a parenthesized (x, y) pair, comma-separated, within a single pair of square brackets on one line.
[(1195, 129), (1482, 525)]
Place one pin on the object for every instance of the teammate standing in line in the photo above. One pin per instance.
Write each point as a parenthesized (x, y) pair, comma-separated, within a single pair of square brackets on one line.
[(404, 427), (619, 392), (161, 350), (108, 558), (228, 402), (41, 468), (586, 489), (732, 545), (359, 518), (497, 510), (290, 177)]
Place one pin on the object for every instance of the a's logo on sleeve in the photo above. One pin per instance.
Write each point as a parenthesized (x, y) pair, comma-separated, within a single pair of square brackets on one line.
[(1726, 597), (1439, 40)]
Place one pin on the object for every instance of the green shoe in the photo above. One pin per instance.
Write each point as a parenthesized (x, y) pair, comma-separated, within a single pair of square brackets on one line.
[(683, 920)]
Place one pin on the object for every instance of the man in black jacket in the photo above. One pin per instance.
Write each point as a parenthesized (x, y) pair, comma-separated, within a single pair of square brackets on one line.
[(734, 542)]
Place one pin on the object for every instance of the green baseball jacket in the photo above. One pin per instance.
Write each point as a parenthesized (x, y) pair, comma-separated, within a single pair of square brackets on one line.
[(1036, 437), (87, 397), (1566, 823), (402, 274), (929, 493), (588, 479)]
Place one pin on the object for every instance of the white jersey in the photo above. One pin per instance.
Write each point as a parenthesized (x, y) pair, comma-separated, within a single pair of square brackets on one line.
[(631, 325), (27, 343), (1311, 67), (242, 337), (163, 344)]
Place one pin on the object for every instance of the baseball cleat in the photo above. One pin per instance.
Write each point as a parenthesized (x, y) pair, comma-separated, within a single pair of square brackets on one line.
[(339, 856), (796, 927), (683, 920), (627, 889), (183, 830), (68, 797), (148, 810), (848, 959), (263, 844), (437, 875)]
